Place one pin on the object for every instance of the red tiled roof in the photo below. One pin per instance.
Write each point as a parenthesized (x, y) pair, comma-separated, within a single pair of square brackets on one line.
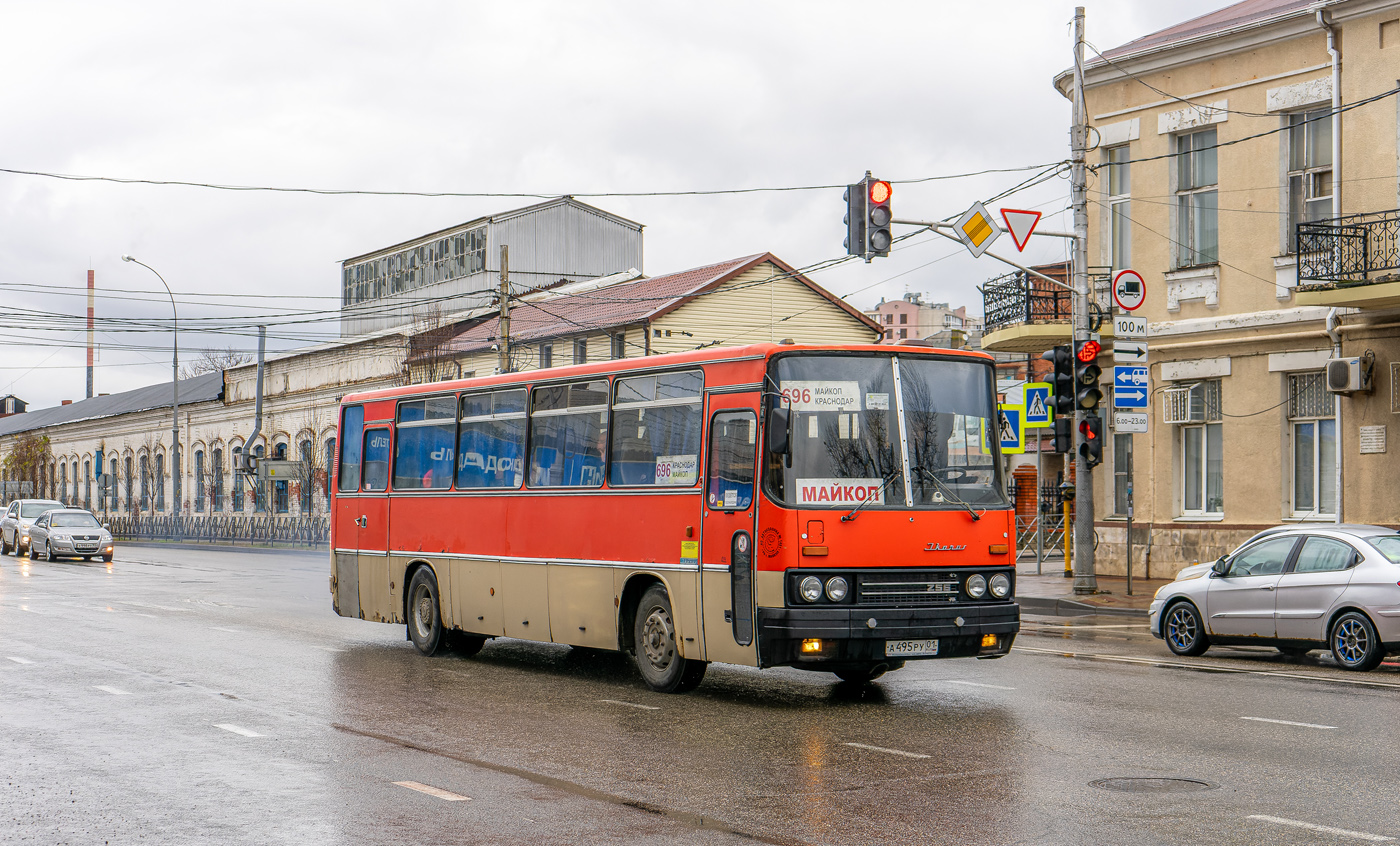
[(1231, 17), (615, 306)]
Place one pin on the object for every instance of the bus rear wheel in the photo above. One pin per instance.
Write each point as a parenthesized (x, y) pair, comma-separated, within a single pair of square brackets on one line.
[(654, 645), (424, 618)]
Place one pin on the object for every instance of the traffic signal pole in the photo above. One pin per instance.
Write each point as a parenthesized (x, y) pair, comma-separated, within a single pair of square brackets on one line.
[(1085, 581)]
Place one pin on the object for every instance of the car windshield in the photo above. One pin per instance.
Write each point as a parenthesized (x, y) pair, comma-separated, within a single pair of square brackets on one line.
[(1389, 546), (74, 521), (31, 510), (847, 444)]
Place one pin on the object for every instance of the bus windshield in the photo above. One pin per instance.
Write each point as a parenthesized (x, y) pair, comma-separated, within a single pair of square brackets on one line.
[(846, 439)]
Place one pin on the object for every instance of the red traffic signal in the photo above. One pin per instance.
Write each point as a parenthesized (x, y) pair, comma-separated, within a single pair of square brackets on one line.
[(880, 191), (1089, 351)]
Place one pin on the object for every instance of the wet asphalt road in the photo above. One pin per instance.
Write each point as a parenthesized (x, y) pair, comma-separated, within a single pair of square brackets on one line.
[(213, 695)]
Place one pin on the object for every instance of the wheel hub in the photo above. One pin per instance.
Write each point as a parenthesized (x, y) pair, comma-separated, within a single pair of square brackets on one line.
[(423, 613), (658, 639)]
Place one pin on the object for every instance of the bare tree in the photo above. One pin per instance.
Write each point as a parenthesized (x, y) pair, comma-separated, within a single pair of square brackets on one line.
[(428, 348), (29, 459), (214, 361)]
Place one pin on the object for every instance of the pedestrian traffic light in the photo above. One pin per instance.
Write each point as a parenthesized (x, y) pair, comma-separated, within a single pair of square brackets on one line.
[(1064, 428), (1086, 375), (855, 218), (878, 218), (1062, 381), (1091, 440)]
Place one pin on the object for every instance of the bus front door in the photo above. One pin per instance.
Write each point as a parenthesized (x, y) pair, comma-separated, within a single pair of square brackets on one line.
[(727, 525)]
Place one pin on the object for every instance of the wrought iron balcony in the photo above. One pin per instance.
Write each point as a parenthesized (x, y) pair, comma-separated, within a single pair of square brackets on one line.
[(1352, 260), (1026, 314)]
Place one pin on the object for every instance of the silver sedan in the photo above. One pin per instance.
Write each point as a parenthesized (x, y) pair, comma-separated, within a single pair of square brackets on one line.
[(1294, 588), (69, 532)]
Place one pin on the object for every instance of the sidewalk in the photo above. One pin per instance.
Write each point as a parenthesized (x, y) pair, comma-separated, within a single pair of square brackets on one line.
[(1051, 593)]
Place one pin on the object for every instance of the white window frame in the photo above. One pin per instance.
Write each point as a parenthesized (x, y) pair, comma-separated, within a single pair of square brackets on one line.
[(1196, 197), (1310, 176), (1119, 190), (1204, 415), (1312, 409)]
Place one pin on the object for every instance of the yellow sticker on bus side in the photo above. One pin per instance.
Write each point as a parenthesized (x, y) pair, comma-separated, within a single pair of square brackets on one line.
[(690, 552)]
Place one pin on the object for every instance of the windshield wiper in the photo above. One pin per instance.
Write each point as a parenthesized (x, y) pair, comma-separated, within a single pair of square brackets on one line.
[(931, 476), (889, 477)]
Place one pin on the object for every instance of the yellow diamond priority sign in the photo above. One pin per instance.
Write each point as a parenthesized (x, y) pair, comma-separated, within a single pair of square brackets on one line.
[(977, 229)]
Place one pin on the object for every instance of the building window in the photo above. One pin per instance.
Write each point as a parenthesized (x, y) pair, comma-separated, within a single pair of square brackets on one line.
[(87, 483), (113, 483), (546, 355), (1309, 170), (889, 334), (330, 470), (63, 482), (903, 318), (1198, 234), (199, 480), (581, 351), (160, 482), (1122, 459), (145, 482), (238, 479), (305, 486), (1314, 430), (904, 333), (217, 471), (619, 345), (1202, 456), (282, 500), (1119, 211)]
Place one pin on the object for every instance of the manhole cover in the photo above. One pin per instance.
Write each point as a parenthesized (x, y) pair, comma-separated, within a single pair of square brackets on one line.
[(1152, 785)]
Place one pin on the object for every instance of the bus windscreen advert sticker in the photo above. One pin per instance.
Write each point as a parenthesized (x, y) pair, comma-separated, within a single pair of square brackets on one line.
[(839, 491), (821, 396)]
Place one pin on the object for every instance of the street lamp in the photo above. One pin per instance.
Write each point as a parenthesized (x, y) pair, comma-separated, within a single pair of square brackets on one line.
[(175, 467)]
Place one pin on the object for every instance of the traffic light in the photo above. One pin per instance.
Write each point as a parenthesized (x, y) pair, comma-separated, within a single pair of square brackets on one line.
[(855, 198), (1086, 375), (1064, 428), (1091, 440), (1062, 381), (877, 230)]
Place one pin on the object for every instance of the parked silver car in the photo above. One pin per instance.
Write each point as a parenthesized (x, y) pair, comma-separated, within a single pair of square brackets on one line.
[(69, 533), (19, 516), (1296, 588)]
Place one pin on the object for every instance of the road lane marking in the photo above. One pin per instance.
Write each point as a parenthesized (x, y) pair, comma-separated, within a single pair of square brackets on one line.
[(1287, 723), (19, 660), (445, 795), (115, 691), (230, 631), (1211, 668), (237, 730), (1325, 829), (631, 704), (976, 684), (889, 751)]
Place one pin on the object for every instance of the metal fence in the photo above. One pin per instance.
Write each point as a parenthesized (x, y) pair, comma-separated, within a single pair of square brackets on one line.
[(1349, 249), (269, 529), (1018, 297)]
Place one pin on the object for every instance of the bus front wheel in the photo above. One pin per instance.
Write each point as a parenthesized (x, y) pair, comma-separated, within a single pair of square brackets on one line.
[(424, 618), (654, 642)]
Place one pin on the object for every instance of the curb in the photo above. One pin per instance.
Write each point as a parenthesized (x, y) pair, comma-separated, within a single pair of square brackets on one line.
[(1056, 607), (228, 547)]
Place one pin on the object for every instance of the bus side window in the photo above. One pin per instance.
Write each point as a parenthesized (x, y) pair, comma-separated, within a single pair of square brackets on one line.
[(656, 430), (733, 440), (425, 447), (568, 432), (352, 425), (376, 466), (491, 445)]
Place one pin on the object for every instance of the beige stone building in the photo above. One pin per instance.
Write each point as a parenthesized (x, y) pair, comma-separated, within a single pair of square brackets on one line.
[(1246, 167)]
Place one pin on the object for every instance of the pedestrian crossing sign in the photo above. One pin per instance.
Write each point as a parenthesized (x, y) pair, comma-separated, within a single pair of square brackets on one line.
[(1011, 425), (1038, 407)]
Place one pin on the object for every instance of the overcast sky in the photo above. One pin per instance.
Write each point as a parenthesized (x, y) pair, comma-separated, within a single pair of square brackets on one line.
[(522, 97)]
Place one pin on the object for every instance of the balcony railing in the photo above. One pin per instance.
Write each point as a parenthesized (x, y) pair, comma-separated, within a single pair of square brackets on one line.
[(1018, 297), (1356, 249)]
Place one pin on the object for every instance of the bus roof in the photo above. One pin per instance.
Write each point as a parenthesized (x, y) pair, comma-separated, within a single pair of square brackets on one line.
[(709, 355)]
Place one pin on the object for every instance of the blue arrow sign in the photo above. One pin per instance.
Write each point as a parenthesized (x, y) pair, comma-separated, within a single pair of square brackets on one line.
[(1130, 387)]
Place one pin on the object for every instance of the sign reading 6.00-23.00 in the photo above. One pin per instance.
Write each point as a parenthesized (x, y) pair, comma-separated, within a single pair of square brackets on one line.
[(821, 396)]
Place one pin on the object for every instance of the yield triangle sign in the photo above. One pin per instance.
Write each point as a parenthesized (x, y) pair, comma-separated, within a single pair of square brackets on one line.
[(1020, 223)]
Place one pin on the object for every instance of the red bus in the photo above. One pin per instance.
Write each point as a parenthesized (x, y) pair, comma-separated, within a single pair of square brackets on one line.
[(835, 508)]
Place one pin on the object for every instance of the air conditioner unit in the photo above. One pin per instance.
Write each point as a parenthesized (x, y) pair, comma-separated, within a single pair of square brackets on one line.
[(1348, 375)]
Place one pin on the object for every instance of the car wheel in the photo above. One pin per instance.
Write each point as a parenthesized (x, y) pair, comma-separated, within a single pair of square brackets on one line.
[(1355, 644), (1183, 631), (424, 618), (48, 552), (107, 558), (5, 548), (654, 644), (32, 552)]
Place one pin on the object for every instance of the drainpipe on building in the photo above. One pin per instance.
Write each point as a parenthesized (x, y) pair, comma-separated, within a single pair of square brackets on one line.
[(1324, 21), (1333, 319)]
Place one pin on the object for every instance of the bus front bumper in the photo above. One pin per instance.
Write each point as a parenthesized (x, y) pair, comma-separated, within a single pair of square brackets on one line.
[(862, 635)]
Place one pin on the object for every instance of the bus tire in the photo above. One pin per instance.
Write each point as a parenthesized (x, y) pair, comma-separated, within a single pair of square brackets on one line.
[(654, 641), (464, 644), (424, 618)]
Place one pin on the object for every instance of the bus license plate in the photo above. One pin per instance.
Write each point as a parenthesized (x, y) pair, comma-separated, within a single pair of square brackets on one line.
[(901, 648)]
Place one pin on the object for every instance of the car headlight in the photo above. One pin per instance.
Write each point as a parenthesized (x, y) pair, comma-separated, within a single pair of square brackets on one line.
[(810, 588), (836, 588), (976, 586), (1000, 585)]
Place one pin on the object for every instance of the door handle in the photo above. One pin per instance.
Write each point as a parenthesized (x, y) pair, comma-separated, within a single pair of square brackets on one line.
[(1267, 587), (362, 522)]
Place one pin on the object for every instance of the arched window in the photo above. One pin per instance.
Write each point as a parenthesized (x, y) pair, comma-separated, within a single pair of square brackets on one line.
[(238, 480), (306, 472), (160, 482), (145, 463), (218, 468), (330, 471), (87, 484), (282, 501), (259, 491), (199, 480)]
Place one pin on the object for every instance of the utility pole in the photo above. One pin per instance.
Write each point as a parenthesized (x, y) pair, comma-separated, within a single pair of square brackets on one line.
[(504, 342), (1084, 579)]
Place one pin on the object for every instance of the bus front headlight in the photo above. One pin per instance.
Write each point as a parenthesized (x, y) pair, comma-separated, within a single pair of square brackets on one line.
[(1000, 585), (836, 588), (810, 588), (976, 586)]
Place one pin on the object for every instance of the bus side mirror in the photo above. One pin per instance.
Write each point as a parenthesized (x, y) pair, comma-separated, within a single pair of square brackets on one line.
[(777, 435)]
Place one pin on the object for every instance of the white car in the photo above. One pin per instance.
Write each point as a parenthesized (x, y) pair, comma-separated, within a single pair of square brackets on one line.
[(69, 533), (19, 516), (1296, 588)]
